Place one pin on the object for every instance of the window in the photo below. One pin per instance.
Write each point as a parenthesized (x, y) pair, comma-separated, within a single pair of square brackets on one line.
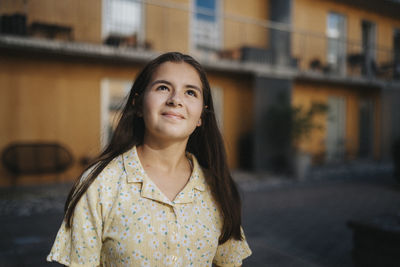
[(368, 46), (336, 33), (336, 129), (122, 18), (206, 22), (113, 96)]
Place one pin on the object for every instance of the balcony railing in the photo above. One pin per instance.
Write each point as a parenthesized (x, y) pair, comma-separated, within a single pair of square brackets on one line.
[(243, 39), (309, 52), (343, 57)]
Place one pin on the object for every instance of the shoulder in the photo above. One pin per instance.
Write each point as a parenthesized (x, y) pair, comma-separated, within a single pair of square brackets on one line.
[(105, 185), (109, 174)]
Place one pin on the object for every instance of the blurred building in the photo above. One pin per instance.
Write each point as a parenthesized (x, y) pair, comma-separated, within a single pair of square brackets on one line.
[(66, 66)]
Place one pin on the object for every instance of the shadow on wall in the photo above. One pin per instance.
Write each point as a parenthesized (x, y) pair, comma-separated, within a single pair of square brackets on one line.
[(246, 142)]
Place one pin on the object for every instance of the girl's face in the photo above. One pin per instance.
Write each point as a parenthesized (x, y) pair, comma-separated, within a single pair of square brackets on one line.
[(172, 103)]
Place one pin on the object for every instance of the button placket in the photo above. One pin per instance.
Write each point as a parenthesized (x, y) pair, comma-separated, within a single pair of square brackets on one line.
[(174, 227), (174, 235)]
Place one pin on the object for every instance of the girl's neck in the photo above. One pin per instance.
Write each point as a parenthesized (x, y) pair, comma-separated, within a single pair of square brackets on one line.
[(167, 158)]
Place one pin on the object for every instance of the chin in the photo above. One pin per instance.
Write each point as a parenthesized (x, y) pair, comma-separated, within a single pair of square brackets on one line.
[(175, 136), (168, 133)]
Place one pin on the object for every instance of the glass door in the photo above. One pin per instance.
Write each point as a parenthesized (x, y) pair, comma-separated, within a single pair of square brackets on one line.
[(369, 47), (336, 129), (336, 50)]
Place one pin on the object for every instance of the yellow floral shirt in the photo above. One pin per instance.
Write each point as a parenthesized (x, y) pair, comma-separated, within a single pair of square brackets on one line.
[(125, 220)]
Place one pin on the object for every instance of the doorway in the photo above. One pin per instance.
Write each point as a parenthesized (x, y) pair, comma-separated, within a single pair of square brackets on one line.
[(336, 129), (366, 120), (368, 46), (336, 50)]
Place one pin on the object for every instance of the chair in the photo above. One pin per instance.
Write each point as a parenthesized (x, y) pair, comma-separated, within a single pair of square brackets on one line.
[(36, 159)]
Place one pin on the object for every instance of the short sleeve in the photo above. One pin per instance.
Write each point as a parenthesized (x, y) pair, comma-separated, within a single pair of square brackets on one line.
[(80, 245), (232, 252)]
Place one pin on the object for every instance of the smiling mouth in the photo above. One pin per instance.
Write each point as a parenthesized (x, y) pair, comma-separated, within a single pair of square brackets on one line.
[(172, 115)]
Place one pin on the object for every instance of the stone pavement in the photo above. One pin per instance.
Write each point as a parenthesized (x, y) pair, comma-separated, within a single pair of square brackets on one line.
[(304, 223), (287, 222)]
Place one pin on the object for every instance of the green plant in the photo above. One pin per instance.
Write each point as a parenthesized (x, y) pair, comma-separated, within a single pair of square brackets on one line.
[(286, 126), (303, 120), (287, 123)]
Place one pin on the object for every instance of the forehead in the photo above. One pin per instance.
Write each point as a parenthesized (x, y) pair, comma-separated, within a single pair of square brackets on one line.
[(177, 73)]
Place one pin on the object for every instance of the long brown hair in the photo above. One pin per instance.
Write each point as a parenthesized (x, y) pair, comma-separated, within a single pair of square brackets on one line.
[(205, 143)]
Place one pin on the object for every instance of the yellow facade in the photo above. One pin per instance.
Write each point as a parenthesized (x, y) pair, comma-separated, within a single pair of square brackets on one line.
[(306, 92), (84, 17), (167, 24), (237, 112), (311, 16), (239, 32), (167, 28), (48, 99), (64, 108)]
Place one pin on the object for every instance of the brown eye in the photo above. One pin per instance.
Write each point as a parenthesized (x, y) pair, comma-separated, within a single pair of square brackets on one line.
[(162, 88), (191, 93)]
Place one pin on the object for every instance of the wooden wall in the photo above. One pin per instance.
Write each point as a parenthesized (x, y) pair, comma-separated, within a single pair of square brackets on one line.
[(83, 16), (53, 101)]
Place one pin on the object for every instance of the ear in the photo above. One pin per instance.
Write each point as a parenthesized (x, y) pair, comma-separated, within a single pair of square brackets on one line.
[(198, 123)]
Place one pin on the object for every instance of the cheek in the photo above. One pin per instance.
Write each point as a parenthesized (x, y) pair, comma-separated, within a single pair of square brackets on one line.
[(197, 110), (150, 103)]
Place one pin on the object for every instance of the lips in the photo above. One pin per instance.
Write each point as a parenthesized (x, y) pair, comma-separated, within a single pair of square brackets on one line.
[(173, 115)]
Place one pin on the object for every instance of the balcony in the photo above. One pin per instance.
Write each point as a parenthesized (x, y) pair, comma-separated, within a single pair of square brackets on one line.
[(237, 44), (311, 54)]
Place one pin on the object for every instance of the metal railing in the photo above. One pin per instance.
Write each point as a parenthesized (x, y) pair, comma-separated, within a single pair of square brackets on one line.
[(343, 57), (310, 52), (247, 39), (261, 41)]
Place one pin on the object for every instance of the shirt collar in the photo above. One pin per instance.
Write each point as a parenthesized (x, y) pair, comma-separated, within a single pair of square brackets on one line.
[(136, 174)]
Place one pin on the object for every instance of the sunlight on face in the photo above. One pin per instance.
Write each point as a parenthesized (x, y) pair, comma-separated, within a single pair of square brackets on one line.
[(173, 102)]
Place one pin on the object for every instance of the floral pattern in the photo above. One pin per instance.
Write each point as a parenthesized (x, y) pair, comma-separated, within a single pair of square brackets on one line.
[(125, 220)]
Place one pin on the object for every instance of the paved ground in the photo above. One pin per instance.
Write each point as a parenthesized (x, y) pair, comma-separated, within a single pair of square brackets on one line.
[(305, 224), (287, 223)]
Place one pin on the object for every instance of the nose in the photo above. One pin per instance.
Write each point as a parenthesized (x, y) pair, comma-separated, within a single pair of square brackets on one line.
[(174, 100)]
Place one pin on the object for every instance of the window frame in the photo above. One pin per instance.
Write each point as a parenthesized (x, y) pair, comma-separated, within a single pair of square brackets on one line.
[(193, 48), (341, 39), (105, 106), (141, 28)]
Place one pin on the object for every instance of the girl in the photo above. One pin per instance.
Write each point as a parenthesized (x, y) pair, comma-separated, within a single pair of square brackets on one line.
[(161, 193)]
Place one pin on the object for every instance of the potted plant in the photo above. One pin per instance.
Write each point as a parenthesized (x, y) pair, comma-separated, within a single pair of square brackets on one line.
[(302, 125)]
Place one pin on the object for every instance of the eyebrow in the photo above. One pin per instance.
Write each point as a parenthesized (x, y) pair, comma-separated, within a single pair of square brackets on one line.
[(170, 84)]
